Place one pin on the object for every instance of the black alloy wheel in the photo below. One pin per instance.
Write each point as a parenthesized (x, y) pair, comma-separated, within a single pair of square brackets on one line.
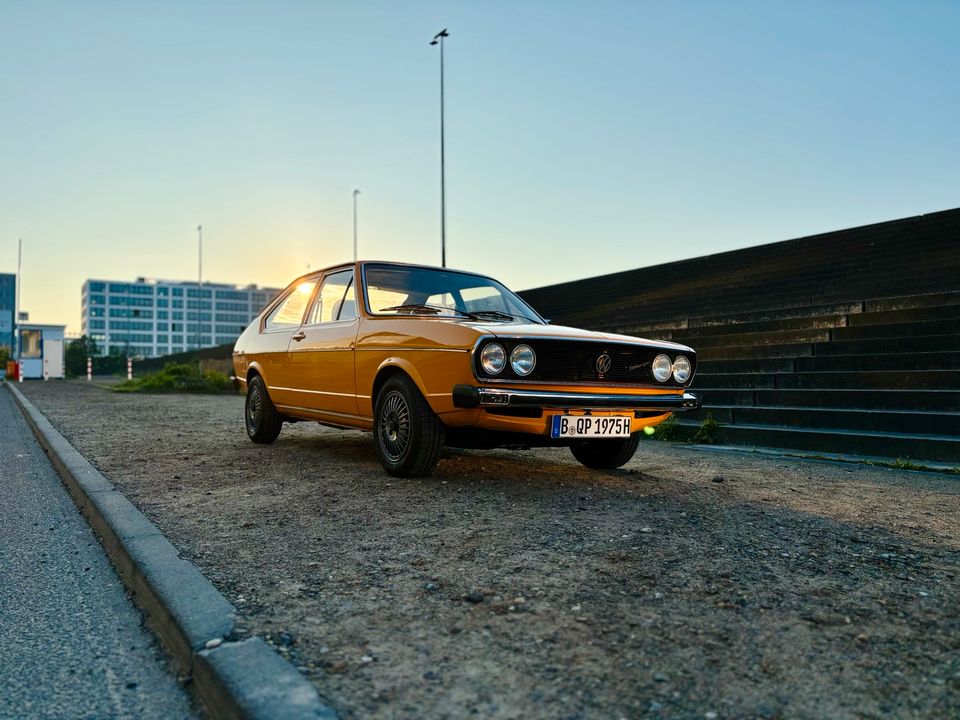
[(407, 433), (263, 421)]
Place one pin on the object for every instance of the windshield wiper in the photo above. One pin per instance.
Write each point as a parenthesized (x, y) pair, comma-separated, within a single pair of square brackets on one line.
[(423, 307), (495, 315), (438, 309)]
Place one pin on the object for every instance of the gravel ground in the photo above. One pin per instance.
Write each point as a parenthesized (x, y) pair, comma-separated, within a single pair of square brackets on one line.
[(692, 584)]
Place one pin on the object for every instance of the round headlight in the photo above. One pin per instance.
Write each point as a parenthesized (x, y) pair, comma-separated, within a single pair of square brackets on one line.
[(681, 369), (662, 368), (523, 359), (492, 358)]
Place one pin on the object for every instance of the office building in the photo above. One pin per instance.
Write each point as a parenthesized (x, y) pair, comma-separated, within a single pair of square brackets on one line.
[(8, 301), (149, 318)]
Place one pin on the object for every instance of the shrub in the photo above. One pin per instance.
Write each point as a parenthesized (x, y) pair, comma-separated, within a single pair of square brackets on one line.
[(178, 378), (706, 433), (668, 430)]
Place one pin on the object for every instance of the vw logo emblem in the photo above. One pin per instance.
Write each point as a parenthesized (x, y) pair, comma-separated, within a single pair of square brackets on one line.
[(604, 363)]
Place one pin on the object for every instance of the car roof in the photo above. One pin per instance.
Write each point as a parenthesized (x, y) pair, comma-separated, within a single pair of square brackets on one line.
[(361, 263)]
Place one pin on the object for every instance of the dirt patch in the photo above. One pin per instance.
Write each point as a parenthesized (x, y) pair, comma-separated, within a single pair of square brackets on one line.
[(519, 584)]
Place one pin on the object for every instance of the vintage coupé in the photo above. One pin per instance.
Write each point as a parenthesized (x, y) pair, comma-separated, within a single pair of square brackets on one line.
[(426, 357)]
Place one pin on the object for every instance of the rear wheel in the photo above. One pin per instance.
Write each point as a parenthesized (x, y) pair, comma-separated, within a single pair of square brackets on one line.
[(407, 433), (262, 419), (606, 454)]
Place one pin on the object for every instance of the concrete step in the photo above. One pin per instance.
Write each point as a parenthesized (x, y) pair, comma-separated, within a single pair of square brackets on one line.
[(776, 313), (907, 446), (818, 322), (858, 380), (908, 315), (879, 346), (746, 365), (779, 337), (898, 330), (913, 301), (735, 352), (916, 361), (868, 400), (896, 421)]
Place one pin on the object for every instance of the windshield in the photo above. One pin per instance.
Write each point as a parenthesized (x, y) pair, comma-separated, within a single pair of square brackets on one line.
[(403, 290)]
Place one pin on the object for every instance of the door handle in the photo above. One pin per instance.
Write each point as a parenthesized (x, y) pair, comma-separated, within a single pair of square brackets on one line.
[(299, 336)]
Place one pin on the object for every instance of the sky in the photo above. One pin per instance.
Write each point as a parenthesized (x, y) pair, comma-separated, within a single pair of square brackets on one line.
[(581, 138)]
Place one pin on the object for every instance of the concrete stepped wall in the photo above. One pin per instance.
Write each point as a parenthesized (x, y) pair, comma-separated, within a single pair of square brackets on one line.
[(841, 342)]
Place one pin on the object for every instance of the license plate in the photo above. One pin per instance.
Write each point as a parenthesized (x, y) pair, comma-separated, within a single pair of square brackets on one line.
[(578, 426)]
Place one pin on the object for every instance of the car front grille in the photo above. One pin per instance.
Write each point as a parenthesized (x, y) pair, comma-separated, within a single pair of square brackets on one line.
[(573, 361)]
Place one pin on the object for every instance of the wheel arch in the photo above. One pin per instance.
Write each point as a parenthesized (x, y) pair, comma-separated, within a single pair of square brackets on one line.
[(254, 370), (395, 366)]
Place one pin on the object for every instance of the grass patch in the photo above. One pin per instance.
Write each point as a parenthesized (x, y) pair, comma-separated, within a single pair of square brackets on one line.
[(179, 378)]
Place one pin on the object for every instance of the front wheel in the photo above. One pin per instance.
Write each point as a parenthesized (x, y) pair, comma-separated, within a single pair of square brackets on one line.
[(606, 454), (262, 419), (407, 433)]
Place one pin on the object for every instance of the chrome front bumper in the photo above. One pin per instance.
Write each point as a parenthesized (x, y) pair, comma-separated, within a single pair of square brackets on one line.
[(467, 396)]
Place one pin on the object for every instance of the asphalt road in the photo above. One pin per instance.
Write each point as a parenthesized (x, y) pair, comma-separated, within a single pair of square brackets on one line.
[(72, 645)]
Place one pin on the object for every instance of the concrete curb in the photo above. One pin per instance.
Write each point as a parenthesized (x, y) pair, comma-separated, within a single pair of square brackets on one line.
[(234, 680)]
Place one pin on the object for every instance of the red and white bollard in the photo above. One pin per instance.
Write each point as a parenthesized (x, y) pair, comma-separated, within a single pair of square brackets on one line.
[(89, 369), (129, 369), (19, 370)]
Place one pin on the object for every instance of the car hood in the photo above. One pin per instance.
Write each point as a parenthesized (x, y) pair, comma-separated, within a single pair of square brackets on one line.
[(560, 332)]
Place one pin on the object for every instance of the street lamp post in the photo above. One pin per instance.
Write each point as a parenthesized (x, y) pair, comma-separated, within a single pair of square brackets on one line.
[(199, 286), (356, 193), (17, 334), (438, 40)]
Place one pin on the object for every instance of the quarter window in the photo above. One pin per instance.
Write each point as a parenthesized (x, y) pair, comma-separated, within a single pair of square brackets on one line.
[(289, 312)]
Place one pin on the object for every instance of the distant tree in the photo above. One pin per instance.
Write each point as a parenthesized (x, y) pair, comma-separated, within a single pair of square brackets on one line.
[(5, 355), (76, 354), (112, 364)]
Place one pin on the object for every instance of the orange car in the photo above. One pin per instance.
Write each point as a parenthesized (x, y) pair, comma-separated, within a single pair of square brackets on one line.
[(426, 357)]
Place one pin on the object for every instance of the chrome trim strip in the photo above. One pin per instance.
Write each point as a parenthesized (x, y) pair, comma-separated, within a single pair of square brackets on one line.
[(312, 392), (495, 397), (394, 348)]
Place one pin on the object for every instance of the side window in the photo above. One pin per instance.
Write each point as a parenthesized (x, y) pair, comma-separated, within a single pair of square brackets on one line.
[(336, 299), (289, 312)]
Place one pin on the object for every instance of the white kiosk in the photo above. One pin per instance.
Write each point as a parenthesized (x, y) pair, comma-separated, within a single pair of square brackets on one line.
[(41, 351)]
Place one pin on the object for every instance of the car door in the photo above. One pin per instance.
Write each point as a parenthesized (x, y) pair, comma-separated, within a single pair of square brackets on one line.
[(279, 326), (322, 351)]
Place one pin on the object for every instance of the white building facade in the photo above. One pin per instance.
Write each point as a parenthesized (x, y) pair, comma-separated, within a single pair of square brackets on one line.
[(150, 318)]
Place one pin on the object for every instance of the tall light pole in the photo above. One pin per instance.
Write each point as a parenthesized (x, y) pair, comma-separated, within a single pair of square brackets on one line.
[(199, 286), (356, 193), (438, 40), (16, 310)]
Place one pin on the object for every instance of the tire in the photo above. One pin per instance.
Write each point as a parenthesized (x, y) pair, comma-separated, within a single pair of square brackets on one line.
[(261, 418), (407, 433), (606, 454)]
